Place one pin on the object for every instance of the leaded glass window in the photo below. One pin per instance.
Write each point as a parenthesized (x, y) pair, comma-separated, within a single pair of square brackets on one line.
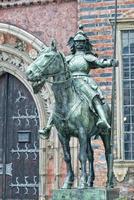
[(128, 92)]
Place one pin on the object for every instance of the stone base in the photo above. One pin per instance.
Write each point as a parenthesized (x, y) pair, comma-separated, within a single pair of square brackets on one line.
[(86, 194)]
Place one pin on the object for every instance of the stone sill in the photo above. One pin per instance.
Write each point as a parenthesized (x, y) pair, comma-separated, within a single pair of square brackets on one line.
[(121, 168), (123, 163)]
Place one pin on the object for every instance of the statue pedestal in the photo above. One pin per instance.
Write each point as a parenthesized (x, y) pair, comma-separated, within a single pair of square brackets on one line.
[(86, 194)]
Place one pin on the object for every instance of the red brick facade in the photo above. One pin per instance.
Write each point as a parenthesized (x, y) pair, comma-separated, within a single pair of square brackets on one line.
[(96, 16), (45, 22)]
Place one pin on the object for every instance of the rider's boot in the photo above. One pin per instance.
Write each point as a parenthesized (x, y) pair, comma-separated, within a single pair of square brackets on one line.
[(102, 121), (45, 132)]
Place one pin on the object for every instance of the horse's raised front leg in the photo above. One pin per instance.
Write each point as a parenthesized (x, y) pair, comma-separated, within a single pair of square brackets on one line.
[(90, 155), (108, 154), (83, 158), (68, 182)]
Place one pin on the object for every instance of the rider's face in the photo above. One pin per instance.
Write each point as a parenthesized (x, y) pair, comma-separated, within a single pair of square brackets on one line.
[(80, 44)]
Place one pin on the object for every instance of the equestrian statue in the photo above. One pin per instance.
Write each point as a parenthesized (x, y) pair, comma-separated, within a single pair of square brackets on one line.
[(80, 109)]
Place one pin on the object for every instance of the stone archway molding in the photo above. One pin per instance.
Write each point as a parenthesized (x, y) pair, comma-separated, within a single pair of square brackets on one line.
[(22, 35), (14, 60), (13, 3)]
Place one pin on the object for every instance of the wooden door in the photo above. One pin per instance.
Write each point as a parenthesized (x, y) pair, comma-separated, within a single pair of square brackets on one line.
[(19, 145)]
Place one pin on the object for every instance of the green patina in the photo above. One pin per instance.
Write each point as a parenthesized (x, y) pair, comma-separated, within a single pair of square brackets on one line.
[(86, 194)]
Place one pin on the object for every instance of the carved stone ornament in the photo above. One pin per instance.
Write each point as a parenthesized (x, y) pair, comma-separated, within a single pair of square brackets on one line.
[(12, 59), (2, 39), (120, 173), (33, 53)]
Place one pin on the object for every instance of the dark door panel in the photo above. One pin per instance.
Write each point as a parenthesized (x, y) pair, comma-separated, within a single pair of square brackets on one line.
[(20, 135)]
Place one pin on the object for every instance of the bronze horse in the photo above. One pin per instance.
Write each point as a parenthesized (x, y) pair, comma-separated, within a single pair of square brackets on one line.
[(72, 116)]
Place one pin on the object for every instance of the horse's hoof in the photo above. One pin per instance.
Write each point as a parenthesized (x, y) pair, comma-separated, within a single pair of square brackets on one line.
[(67, 185), (90, 181), (90, 184), (109, 185), (83, 183), (44, 133), (82, 186)]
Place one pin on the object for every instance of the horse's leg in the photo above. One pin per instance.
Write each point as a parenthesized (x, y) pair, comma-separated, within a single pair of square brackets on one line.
[(67, 158), (83, 158), (90, 155), (106, 138)]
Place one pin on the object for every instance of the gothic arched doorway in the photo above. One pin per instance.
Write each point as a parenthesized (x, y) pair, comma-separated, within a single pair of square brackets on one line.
[(19, 145)]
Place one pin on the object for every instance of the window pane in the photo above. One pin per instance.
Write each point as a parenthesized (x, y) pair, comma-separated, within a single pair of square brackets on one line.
[(125, 43), (131, 34), (126, 85), (132, 125), (126, 73), (127, 155), (126, 110), (133, 147), (125, 62), (127, 147), (132, 72), (126, 127), (125, 49), (132, 46), (127, 137)]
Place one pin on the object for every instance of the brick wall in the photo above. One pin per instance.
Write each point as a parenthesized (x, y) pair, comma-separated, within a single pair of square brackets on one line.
[(95, 16), (55, 20)]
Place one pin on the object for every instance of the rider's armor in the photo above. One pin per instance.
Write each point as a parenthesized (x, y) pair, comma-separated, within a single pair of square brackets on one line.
[(80, 62), (80, 65)]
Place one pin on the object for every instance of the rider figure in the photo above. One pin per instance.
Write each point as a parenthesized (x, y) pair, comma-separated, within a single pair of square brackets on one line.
[(80, 62)]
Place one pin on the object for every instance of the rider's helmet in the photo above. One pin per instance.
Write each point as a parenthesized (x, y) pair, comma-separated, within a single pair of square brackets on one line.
[(80, 36), (81, 41)]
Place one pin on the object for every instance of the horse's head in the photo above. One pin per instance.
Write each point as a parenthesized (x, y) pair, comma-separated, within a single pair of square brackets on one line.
[(49, 63)]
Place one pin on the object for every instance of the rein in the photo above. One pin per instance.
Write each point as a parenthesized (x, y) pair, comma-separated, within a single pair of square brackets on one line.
[(47, 65), (66, 70)]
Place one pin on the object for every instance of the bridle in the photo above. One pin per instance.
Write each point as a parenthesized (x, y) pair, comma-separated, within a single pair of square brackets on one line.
[(47, 65), (66, 71)]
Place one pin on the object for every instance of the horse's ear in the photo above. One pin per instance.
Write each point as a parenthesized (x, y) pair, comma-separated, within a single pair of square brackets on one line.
[(54, 45)]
